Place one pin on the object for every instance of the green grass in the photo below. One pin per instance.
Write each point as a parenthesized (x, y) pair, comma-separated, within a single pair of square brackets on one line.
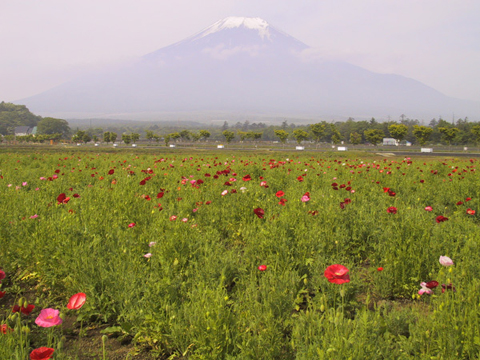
[(201, 296)]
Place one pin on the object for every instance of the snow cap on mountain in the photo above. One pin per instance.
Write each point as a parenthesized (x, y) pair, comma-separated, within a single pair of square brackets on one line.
[(232, 22)]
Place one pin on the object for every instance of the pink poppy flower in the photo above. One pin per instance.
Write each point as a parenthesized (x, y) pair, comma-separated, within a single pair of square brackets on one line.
[(151, 243), (445, 261), (185, 220), (173, 218), (424, 289), (147, 255), (48, 317), (224, 192), (305, 198), (428, 208)]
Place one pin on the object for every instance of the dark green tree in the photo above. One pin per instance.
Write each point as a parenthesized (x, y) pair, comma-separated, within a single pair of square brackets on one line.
[(318, 131), (50, 125), (355, 138), (300, 135), (229, 135), (126, 138), (374, 136), (134, 137), (422, 133), (398, 131), (282, 136)]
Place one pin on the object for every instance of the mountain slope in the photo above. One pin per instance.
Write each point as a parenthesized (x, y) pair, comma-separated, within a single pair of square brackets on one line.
[(244, 64)]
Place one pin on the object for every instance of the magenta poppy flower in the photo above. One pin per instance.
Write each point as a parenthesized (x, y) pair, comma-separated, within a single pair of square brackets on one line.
[(337, 274), (48, 318), (77, 301), (42, 353), (259, 212)]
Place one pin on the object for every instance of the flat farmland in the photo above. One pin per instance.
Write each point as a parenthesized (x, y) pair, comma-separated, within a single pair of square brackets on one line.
[(166, 254)]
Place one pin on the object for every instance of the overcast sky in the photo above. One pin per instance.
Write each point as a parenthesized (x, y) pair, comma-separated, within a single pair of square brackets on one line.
[(44, 43)]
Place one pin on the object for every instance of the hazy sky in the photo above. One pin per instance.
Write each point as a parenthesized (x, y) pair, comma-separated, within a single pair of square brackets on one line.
[(44, 43)]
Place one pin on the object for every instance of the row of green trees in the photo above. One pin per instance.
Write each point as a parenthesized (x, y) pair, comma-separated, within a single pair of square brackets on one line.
[(319, 132)]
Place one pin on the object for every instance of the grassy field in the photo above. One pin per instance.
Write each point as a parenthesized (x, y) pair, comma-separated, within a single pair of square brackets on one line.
[(226, 255)]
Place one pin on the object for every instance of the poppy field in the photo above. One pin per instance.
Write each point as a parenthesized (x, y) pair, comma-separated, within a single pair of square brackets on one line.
[(223, 255)]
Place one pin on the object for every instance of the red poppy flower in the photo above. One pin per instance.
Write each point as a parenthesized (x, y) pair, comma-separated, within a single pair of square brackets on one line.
[(76, 195), (111, 172), (142, 182), (279, 194), (42, 353), (160, 195), (380, 269), (4, 329), (392, 210), (208, 202), (337, 274), (470, 212), (342, 205), (448, 287), (16, 308), (432, 284), (131, 225), (77, 301), (347, 201), (173, 218), (62, 199), (2, 274), (460, 203), (259, 212), (468, 199), (300, 178), (262, 267), (27, 310), (441, 218), (282, 202), (2, 294), (386, 189), (247, 178), (391, 193)]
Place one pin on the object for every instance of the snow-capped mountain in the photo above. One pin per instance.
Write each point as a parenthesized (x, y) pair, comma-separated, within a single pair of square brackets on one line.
[(245, 65)]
